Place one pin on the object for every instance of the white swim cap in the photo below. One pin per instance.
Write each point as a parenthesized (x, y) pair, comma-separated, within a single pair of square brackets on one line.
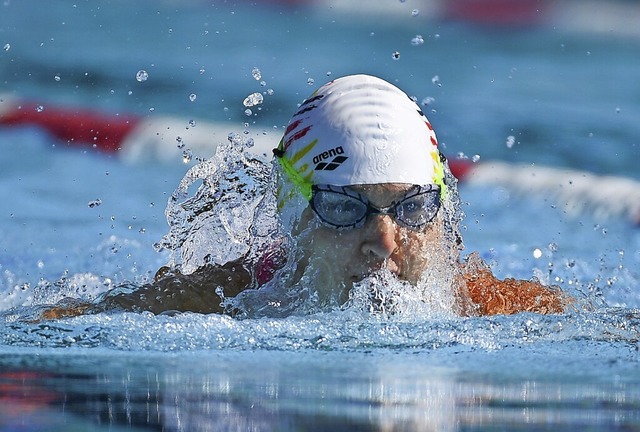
[(359, 129)]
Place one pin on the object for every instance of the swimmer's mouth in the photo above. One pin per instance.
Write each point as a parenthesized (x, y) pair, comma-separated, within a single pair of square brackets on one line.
[(374, 267)]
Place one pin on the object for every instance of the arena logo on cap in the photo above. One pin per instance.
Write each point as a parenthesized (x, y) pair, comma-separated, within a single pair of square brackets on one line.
[(335, 153)]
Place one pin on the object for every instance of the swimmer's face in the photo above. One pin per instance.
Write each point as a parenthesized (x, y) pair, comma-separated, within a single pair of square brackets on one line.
[(381, 242)]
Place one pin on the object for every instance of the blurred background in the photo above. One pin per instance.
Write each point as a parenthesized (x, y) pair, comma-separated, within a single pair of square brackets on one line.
[(560, 77)]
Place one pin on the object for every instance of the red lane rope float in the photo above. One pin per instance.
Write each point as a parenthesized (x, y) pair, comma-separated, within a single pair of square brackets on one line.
[(460, 168), (105, 132)]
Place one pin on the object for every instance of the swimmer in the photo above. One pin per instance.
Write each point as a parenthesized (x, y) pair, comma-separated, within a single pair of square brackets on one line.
[(364, 190)]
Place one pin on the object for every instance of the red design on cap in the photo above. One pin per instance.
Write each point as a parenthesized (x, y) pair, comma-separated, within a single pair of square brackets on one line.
[(296, 136)]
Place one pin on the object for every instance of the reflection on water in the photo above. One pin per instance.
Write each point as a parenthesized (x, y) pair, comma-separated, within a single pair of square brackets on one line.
[(332, 391)]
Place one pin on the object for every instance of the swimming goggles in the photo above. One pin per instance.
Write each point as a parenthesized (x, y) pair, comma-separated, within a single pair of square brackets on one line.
[(341, 207)]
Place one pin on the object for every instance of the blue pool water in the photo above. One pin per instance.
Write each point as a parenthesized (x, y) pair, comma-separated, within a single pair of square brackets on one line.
[(569, 98)]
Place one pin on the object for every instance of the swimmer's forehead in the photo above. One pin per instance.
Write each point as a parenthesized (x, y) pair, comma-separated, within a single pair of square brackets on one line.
[(382, 188)]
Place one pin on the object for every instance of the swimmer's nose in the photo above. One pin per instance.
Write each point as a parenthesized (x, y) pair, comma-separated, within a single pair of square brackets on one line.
[(379, 236)]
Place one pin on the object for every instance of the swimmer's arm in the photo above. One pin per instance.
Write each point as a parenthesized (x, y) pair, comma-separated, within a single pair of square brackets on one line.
[(170, 291), (492, 296), (196, 292)]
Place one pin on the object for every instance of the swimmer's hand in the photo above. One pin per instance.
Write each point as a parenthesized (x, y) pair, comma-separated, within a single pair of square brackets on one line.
[(492, 296), (66, 308)]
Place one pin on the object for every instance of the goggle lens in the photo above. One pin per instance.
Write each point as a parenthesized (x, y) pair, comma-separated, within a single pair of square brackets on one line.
[(341, 207)]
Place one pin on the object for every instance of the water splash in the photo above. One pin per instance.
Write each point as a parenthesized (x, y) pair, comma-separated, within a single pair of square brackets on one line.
[(383, 293), (612, 330), (212, 225)]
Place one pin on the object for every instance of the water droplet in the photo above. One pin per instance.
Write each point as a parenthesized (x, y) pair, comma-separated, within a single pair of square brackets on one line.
[(180, 142), (253, 99), (263, 83), (395, 55), (475, 158), (192, 97), (436, 80), (6, 47), (511, 140), (94, 203), (417, 40), (249, 143), (270, 92), (415, 13), (617, 110), (142, 75), (248, 112), (235, 138), (57, 78), (40, 264), (311, 81), (187, 155), (537, 253), (202, 71), (553, 247), (39, 108), (427, 101), (192, 123), (257, 75)]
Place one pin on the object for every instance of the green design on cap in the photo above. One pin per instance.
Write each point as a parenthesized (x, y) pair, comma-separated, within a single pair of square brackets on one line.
[(301, 181)]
